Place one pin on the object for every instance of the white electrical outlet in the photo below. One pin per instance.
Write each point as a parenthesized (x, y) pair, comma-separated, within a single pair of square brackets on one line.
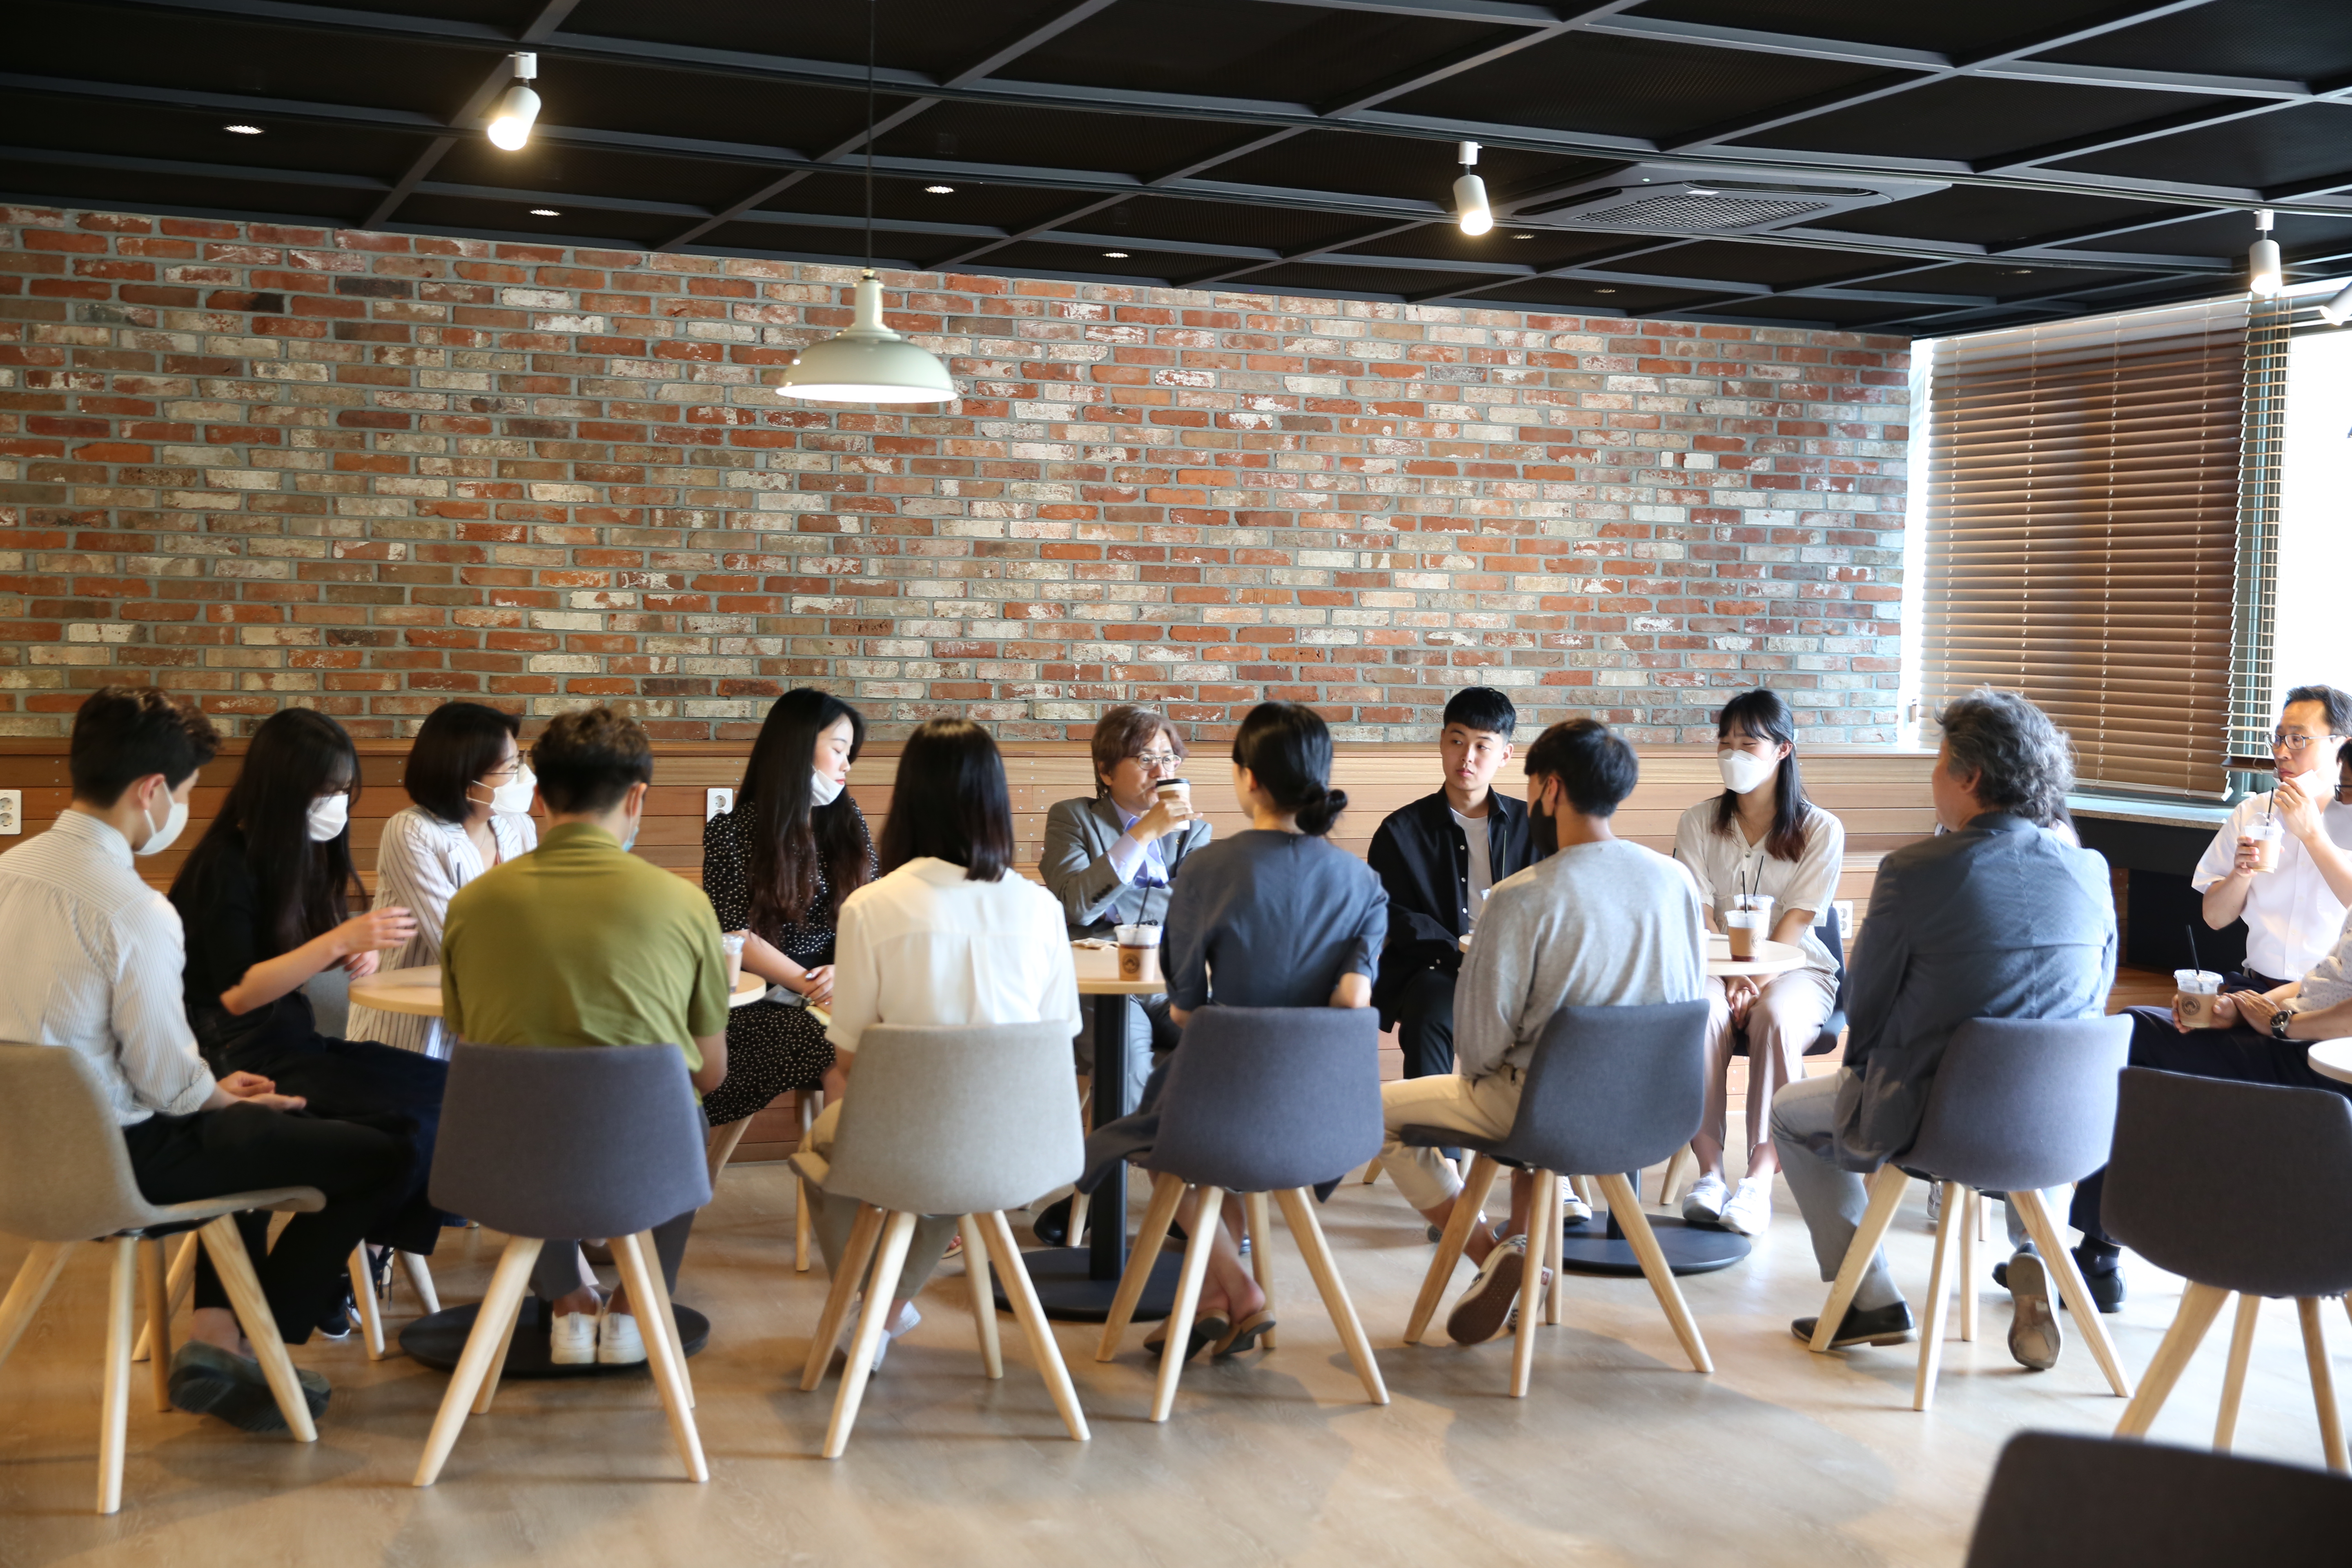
[(1844, 908), (716, 802), (12, 811)]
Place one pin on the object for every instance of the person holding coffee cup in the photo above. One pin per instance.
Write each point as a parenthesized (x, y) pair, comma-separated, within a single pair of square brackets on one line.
[(1766, 862)]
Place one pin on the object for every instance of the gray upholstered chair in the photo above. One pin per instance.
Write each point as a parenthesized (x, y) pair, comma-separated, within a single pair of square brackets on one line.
[(1610, 1090), (2235, 1187), (1258, 1100), (65, 1178), (2086, 1502), (968, 1121), (550, 1142), (2018, 1105)]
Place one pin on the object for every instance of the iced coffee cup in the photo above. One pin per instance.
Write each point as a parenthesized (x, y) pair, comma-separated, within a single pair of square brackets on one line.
[(2194, 992), (734, 943), (1748, 923), (2268, 840), (1139, 953)]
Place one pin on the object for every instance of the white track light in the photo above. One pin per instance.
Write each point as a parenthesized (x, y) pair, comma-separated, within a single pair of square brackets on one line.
[(2265, 275), (2339, 310), (1470, 208), (518, 106)]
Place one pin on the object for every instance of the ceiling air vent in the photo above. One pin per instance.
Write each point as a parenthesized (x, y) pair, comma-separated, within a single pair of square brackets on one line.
[(1683, 207), (1671, 199)]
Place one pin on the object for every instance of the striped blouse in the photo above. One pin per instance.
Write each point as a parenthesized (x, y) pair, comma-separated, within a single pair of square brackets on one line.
[(424, 860)]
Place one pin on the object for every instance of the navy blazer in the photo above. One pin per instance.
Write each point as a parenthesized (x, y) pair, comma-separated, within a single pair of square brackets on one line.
[(1423, 859), (1077, 869)]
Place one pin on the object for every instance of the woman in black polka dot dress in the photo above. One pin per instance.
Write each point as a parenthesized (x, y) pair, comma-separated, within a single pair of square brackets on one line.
[(778, 866)]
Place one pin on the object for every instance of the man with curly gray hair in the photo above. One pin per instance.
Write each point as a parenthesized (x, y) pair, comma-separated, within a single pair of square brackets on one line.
[(1992, 917)]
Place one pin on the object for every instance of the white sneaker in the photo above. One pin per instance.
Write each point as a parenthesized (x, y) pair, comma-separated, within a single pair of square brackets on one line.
[(572, 1341), (1703, 1204), (1573, 1206), (618, 1343), (1750, 1212), (907, 1319)]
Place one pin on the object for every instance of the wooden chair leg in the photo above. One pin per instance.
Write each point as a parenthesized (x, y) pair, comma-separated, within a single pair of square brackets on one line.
[(1553, 1298), (1371, 1170), (1261, 1234), (897, 1230), (244, 1288), (1542, 1225), (2200, 1304), (1984, 1218), (983, 1299), (114, 1402), (2323, 1384), (1166, 1192), (1298, 1213), (498, 1367), (42, 1264), (1031, 1316), (1188, 1301), (1951, 1217), (499, 1307), (863, 1233), (805, 1105), (1636, 1225), (1076, 1236), (639, 1267), (1886, 1186), (660, 1289), (2234, 1385), (2056, 1256), (721, 1148), (180, 1281), (1969, 1239), (1679, 1173), (420, 1279), (153, 1274), (365, 1303), (1466, 1204)]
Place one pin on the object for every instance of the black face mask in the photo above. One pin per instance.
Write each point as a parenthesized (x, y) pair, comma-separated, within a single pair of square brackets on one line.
[(1543, 831)]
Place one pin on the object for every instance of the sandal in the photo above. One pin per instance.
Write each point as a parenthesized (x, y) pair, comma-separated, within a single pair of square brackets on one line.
[(1244, 1335), (1206, 1330)]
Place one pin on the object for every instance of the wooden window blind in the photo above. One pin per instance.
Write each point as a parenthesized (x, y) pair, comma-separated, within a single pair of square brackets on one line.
[(2081, 521)]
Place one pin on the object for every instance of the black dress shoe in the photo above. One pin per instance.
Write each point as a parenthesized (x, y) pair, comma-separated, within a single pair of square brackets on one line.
[(1888, 1325), (2105, 1278), (337, 1323), (1050, 1225)]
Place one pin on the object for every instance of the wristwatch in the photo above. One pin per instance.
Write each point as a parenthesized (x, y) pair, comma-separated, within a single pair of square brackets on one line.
[(2279, 1021)]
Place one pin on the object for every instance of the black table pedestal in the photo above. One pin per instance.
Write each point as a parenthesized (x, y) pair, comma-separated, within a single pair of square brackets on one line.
[(1071, 1294), (1587, 1249), (439, 1340)]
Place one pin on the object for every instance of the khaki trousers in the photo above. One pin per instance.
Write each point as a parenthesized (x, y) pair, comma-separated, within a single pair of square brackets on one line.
[(1483, 1108)]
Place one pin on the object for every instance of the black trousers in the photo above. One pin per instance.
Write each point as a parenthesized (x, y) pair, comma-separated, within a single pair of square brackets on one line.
[(1424, 1015), (2237, 1054), (395, 1091), (245, 1148)]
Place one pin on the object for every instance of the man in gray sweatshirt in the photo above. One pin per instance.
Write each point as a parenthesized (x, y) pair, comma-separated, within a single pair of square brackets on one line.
[(1598, 923)]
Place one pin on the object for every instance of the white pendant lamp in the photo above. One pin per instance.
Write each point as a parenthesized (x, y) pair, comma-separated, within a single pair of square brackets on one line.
[(866, 361), (2266, 275), (518, 106), (1470, 207)]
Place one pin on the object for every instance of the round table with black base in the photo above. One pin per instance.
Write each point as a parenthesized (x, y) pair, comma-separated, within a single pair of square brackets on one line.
[(1589, 1247), (439, 1340)]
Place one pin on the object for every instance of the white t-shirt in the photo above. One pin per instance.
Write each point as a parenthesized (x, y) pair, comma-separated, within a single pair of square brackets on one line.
[(2292, 915), (1480, 869), (924, 945), (1722, 864)]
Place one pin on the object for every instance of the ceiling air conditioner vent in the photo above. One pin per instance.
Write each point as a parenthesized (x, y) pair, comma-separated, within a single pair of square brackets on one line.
[(1683, 208), (1664, 198)]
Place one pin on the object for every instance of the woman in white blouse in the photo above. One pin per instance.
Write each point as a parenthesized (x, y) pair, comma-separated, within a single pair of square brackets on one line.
[(473, 797), (1760, 835)]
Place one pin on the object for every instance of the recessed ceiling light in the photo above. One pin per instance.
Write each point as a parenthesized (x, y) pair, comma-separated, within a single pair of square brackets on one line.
[(545, 212), (242, 129), (1604, 290), (1115, 254), (940, 190), (1523, 236)]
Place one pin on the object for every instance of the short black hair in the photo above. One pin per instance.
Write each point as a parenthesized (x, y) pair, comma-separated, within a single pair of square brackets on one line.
[(586, 760), (1482, 708), (950, 802), (125, 733), (1596, 768), (2337, 703), (457, 744)]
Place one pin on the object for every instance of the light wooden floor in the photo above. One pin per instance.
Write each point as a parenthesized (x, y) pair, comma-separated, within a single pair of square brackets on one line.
[(1622, 1455)]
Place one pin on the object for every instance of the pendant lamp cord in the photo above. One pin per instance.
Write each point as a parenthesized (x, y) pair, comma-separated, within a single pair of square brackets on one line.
[(873, 11)]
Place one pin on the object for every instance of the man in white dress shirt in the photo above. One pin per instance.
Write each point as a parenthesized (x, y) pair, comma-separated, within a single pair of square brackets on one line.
[(95, 961)]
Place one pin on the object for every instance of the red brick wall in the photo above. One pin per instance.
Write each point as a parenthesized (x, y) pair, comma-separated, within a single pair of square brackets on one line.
[(367, 472)]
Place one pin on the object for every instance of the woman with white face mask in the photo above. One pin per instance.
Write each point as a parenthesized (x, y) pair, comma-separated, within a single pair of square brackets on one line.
[(265, 898), (472, 793), (776, 869), (1760, 835)]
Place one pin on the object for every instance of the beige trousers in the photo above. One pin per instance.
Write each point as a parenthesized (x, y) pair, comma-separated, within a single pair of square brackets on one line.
[(1484, 1108), (1785, 1019), (834, 1215)]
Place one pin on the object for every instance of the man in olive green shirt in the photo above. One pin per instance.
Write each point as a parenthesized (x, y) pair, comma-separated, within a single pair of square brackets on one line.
[(582, 944)]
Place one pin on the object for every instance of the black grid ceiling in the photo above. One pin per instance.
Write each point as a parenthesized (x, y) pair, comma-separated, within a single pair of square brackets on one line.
[(2036, 159)]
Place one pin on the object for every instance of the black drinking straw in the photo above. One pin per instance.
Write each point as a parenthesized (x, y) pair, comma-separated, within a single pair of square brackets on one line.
[(2191, 930)]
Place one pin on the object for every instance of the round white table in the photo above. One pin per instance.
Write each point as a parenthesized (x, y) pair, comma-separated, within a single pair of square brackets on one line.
[(1770, 958), (417, 990), (2332, 1059)]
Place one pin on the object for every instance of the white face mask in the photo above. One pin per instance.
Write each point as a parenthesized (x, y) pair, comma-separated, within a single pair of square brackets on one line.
[(1744, 771), (822, 791), (329, 814), (161, 838), (512, 798)]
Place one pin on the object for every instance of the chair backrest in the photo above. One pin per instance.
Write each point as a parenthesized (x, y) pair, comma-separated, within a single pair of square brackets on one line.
[(957, 1119), (2022, 1102), (1611, 1089), (2093, 1502), (570, 1140), (1265, 1098), (2235, 1184), (65, 1175)]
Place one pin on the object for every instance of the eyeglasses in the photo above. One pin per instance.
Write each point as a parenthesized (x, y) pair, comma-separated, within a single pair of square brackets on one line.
[(2297, 744), (506, 769), (1156, 759)]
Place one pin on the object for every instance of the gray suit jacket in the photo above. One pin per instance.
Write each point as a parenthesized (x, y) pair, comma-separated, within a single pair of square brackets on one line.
[(1998, 921), (1077, 869)]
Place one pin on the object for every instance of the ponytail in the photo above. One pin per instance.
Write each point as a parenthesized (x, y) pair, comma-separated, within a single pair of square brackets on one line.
[(1287, 749)]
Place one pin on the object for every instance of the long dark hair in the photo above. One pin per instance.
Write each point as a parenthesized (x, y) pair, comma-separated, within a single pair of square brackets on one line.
[(1761, 714), (951, 802), (789, 832), (304, 888), (1287, 749)]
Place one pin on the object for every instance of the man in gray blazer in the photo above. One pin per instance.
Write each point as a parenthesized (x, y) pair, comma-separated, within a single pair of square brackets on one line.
[(1996, 917)]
